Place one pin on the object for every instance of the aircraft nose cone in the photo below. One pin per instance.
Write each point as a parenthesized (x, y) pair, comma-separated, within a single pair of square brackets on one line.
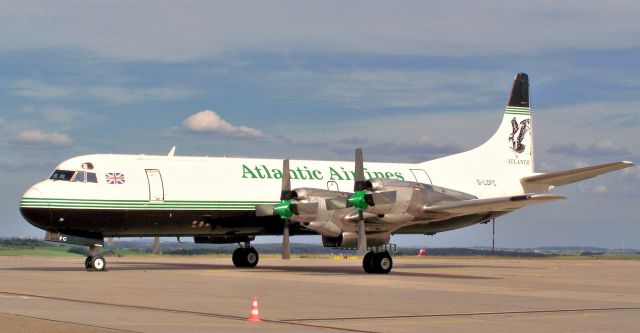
[(35, 208), (33, 193)]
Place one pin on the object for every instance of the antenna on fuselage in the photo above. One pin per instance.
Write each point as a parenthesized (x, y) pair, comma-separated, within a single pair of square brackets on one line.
[(172, 151)]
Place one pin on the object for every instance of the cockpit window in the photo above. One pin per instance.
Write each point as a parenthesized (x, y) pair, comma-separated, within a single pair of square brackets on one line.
[(74, 176), (80, 177), (91, 177), (64, 175)]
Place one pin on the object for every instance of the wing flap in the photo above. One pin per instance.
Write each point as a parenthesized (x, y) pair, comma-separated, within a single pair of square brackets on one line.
[(497, 204), (574, 175)]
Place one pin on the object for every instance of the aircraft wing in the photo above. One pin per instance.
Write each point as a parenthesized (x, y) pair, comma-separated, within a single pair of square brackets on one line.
[(498, 204), (574, 175)]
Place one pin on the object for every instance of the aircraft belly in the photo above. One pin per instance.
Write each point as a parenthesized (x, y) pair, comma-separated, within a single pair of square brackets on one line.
[(148, 222)]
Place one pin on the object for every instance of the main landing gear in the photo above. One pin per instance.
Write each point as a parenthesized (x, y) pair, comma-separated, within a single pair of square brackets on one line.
[(377, 262), (245, 256), (94, 261)]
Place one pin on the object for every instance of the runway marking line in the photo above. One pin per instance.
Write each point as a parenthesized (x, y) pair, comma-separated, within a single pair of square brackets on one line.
[(69, 322), (469, 314), (149, 308)]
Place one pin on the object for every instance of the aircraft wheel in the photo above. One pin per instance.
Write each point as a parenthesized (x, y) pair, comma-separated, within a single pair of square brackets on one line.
[(367, 262), (98, 263), (382, 262), (251, 257), (236, 257), (87, 262)]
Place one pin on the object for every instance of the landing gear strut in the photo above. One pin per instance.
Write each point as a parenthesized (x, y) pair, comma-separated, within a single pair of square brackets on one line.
[(377, 262), (245, 256), (94, 261)]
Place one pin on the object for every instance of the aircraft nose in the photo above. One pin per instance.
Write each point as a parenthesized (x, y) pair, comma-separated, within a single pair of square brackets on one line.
[(33, 192), (35, 208)]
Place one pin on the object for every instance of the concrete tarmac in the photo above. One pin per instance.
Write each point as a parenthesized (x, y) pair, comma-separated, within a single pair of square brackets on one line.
[(183, 294)]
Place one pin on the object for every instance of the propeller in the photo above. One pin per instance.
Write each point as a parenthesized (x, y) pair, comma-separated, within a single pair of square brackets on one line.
[(285, 208), (359, 201)]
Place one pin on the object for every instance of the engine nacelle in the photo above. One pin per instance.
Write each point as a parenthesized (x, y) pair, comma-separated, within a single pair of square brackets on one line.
[(324, 228), (315, 194), (349, 240), (411, 196)]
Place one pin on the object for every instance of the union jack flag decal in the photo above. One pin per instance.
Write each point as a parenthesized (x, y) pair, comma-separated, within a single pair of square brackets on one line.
[(115, 178)]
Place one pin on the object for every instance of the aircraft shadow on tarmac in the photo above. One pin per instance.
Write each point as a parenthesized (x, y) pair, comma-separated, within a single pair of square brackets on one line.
[(316, 270)]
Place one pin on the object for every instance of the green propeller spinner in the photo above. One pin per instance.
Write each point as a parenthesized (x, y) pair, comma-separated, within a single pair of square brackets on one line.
[(283, 208)]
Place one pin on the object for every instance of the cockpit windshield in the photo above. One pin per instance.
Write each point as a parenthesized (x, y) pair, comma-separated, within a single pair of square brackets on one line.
[(64, 175), (74, 176)]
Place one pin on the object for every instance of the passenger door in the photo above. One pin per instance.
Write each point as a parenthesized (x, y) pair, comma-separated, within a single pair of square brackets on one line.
[(156, 187)]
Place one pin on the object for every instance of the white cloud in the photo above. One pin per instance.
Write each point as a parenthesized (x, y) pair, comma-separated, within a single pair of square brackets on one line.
[(3, 123), (37, 138), (37, 89), (205, 29), (207, 121), (128, 95)]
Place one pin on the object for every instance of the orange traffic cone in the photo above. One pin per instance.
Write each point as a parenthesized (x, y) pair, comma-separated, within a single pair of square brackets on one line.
[(254, 315)]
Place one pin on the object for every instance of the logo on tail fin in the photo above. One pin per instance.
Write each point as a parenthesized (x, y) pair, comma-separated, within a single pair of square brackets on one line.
[(516, 141)]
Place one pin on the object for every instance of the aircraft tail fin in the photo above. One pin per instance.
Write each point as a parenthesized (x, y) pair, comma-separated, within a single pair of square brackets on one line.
[(510, 149)]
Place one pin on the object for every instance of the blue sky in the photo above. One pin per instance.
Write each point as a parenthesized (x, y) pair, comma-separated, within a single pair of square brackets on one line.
[(407, 81)]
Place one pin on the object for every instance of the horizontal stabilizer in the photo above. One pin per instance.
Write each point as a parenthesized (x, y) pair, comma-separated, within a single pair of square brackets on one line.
[(499, 204), (574, 175)]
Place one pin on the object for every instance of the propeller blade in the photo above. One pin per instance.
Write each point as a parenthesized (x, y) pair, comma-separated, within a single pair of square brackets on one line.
[(285, 189), (362, 236), (285, 208), (156, 246), (286, 247), (359, 181)]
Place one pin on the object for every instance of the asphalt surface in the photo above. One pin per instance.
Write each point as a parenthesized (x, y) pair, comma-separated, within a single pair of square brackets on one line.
[(183, 294)]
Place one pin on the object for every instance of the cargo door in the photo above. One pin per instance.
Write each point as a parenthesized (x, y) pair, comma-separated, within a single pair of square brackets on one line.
[(156, 187), (421, 176)]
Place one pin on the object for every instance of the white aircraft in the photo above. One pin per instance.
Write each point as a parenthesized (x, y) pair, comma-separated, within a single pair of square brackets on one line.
[(233, 200)]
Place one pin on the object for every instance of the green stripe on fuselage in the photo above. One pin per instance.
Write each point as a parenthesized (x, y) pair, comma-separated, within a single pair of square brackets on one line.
[(140, 204)]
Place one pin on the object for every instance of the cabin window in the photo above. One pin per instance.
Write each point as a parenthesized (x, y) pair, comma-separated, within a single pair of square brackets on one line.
[(64, 175), (80, 177), (91, 177)]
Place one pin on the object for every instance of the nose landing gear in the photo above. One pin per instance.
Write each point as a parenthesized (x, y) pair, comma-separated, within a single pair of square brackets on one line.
[(94, 261)]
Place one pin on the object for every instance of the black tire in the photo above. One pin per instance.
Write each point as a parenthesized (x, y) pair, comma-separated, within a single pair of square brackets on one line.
[(382, 262), (367, 262), (87, 262), (98, 263), (236, 258), (251, 257)]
